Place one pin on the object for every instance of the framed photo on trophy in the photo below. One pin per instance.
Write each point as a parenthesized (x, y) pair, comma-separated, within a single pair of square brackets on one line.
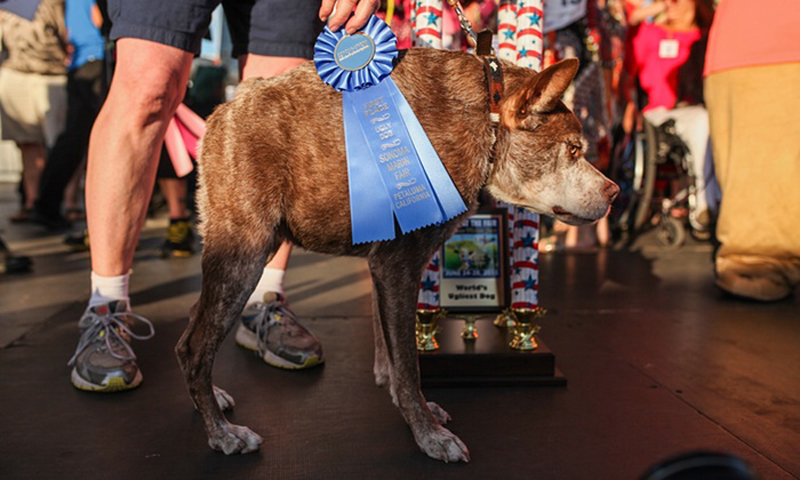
[(474, 270)]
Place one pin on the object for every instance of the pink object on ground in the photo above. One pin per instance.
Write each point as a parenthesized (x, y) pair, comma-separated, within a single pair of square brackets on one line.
[(658, 75), (747, 33)]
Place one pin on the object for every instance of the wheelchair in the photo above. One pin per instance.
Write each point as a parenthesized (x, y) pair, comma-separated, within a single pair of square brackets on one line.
[(652, 169)]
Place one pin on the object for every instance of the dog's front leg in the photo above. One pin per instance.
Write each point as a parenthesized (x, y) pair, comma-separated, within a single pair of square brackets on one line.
[(228, 280), (396, 286), (382, 368)]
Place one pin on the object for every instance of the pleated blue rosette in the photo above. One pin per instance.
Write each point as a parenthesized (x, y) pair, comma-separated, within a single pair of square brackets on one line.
[(394, 173)]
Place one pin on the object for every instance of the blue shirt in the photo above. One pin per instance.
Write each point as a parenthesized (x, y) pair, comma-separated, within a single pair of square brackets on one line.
[(83, 35)]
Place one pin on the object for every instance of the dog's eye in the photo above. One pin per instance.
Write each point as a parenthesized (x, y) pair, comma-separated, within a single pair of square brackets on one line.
[(574, 150)]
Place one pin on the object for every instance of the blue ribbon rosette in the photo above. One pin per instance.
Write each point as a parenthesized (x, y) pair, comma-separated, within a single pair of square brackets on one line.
[(392, 168)]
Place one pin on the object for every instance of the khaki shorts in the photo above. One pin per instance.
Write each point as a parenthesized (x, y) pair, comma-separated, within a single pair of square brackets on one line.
[(33, 107)]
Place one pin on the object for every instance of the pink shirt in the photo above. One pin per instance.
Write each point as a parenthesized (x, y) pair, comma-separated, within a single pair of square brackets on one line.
[(747, 33), (657, 56)]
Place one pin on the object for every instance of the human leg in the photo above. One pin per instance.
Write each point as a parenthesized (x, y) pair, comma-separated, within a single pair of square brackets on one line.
[(180, 237), (83, 104), (148, 85), (272, 45), (33, 159), (756, 140), (125, 142)]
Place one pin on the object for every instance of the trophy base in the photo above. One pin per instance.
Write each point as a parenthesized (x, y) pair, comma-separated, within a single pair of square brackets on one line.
[(487, 360)]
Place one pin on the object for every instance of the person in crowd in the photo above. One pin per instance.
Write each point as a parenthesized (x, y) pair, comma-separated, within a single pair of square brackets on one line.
[(179, 241), (33, 96), (85, 92), (156, 42), (660, 57), (752, 70)]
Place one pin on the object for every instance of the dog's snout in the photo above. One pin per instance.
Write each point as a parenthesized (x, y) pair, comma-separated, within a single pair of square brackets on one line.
[(612, 190)]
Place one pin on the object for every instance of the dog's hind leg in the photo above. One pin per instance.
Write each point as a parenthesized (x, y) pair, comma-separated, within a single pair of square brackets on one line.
[(231, 268), (396, 270)]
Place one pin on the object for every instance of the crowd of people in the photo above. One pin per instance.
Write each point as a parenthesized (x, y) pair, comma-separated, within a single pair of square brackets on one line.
[(641, 61)]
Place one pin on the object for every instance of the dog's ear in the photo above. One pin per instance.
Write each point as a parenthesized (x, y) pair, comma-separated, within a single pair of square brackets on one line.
[(542, 91)]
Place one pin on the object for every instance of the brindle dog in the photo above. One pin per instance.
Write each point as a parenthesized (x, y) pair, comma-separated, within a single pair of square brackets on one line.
[(273, 169)]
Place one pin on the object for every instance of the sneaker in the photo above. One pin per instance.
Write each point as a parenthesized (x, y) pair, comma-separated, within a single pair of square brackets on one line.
[(271, 330), (104, 360), (179, 241)]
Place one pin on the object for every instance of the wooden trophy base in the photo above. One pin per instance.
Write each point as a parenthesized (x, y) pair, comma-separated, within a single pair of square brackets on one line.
[(486, 361)]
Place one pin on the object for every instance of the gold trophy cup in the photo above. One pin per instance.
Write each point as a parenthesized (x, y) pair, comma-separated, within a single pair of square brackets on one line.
[(469, 333), (426, 329), (524, 330)]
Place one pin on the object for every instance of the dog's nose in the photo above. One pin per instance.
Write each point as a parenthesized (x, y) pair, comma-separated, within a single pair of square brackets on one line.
[(612, 190)]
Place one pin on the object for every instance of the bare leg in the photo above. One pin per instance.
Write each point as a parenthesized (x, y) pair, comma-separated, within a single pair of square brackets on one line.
[(33, 158), (124, 147), (603, 232), (72, 192), (174, 190)]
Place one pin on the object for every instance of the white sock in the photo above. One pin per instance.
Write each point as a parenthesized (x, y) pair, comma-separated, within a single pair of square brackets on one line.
[(271, 281), (107, 289)]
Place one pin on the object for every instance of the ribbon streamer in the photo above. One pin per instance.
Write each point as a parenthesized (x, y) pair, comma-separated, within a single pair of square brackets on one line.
[(394, 172)]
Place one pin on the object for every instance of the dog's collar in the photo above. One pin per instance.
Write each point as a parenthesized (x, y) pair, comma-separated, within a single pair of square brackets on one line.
[(494, 80)]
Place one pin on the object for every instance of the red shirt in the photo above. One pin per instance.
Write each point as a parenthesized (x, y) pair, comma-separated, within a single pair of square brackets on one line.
[(747, 33), (657, 55)]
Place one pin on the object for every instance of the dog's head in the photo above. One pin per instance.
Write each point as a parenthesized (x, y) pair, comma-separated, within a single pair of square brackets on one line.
[(541, 163)]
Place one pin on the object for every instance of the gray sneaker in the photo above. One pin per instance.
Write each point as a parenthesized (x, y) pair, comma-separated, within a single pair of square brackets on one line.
[(271, 330), (104, 360)]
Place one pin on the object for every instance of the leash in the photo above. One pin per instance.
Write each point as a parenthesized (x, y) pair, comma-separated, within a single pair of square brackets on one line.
[(482, 46)]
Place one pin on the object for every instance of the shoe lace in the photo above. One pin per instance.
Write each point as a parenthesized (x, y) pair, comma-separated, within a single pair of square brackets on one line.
[(113, 326), (177, 232), (274, 312)]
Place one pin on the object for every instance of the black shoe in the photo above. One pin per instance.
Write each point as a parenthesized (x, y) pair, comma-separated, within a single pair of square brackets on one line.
[(179, 241), (14, 263)]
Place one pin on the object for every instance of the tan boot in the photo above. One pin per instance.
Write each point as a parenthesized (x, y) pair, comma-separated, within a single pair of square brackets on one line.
[(758, 277)]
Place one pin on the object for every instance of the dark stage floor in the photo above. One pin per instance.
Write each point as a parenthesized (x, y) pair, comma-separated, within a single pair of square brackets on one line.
[(658, 362)]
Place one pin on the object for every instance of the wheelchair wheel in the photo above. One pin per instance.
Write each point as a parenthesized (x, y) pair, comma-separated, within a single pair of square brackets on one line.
[(646, 175), (671, 232)]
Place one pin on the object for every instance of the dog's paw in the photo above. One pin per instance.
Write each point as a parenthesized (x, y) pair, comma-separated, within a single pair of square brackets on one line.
[(443, 445), (224, 400), (439, 413), (235, 439)]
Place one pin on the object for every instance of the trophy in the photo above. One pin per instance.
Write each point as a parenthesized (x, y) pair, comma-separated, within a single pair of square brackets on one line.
[(469, 333), (427, 328), (524, 330)]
